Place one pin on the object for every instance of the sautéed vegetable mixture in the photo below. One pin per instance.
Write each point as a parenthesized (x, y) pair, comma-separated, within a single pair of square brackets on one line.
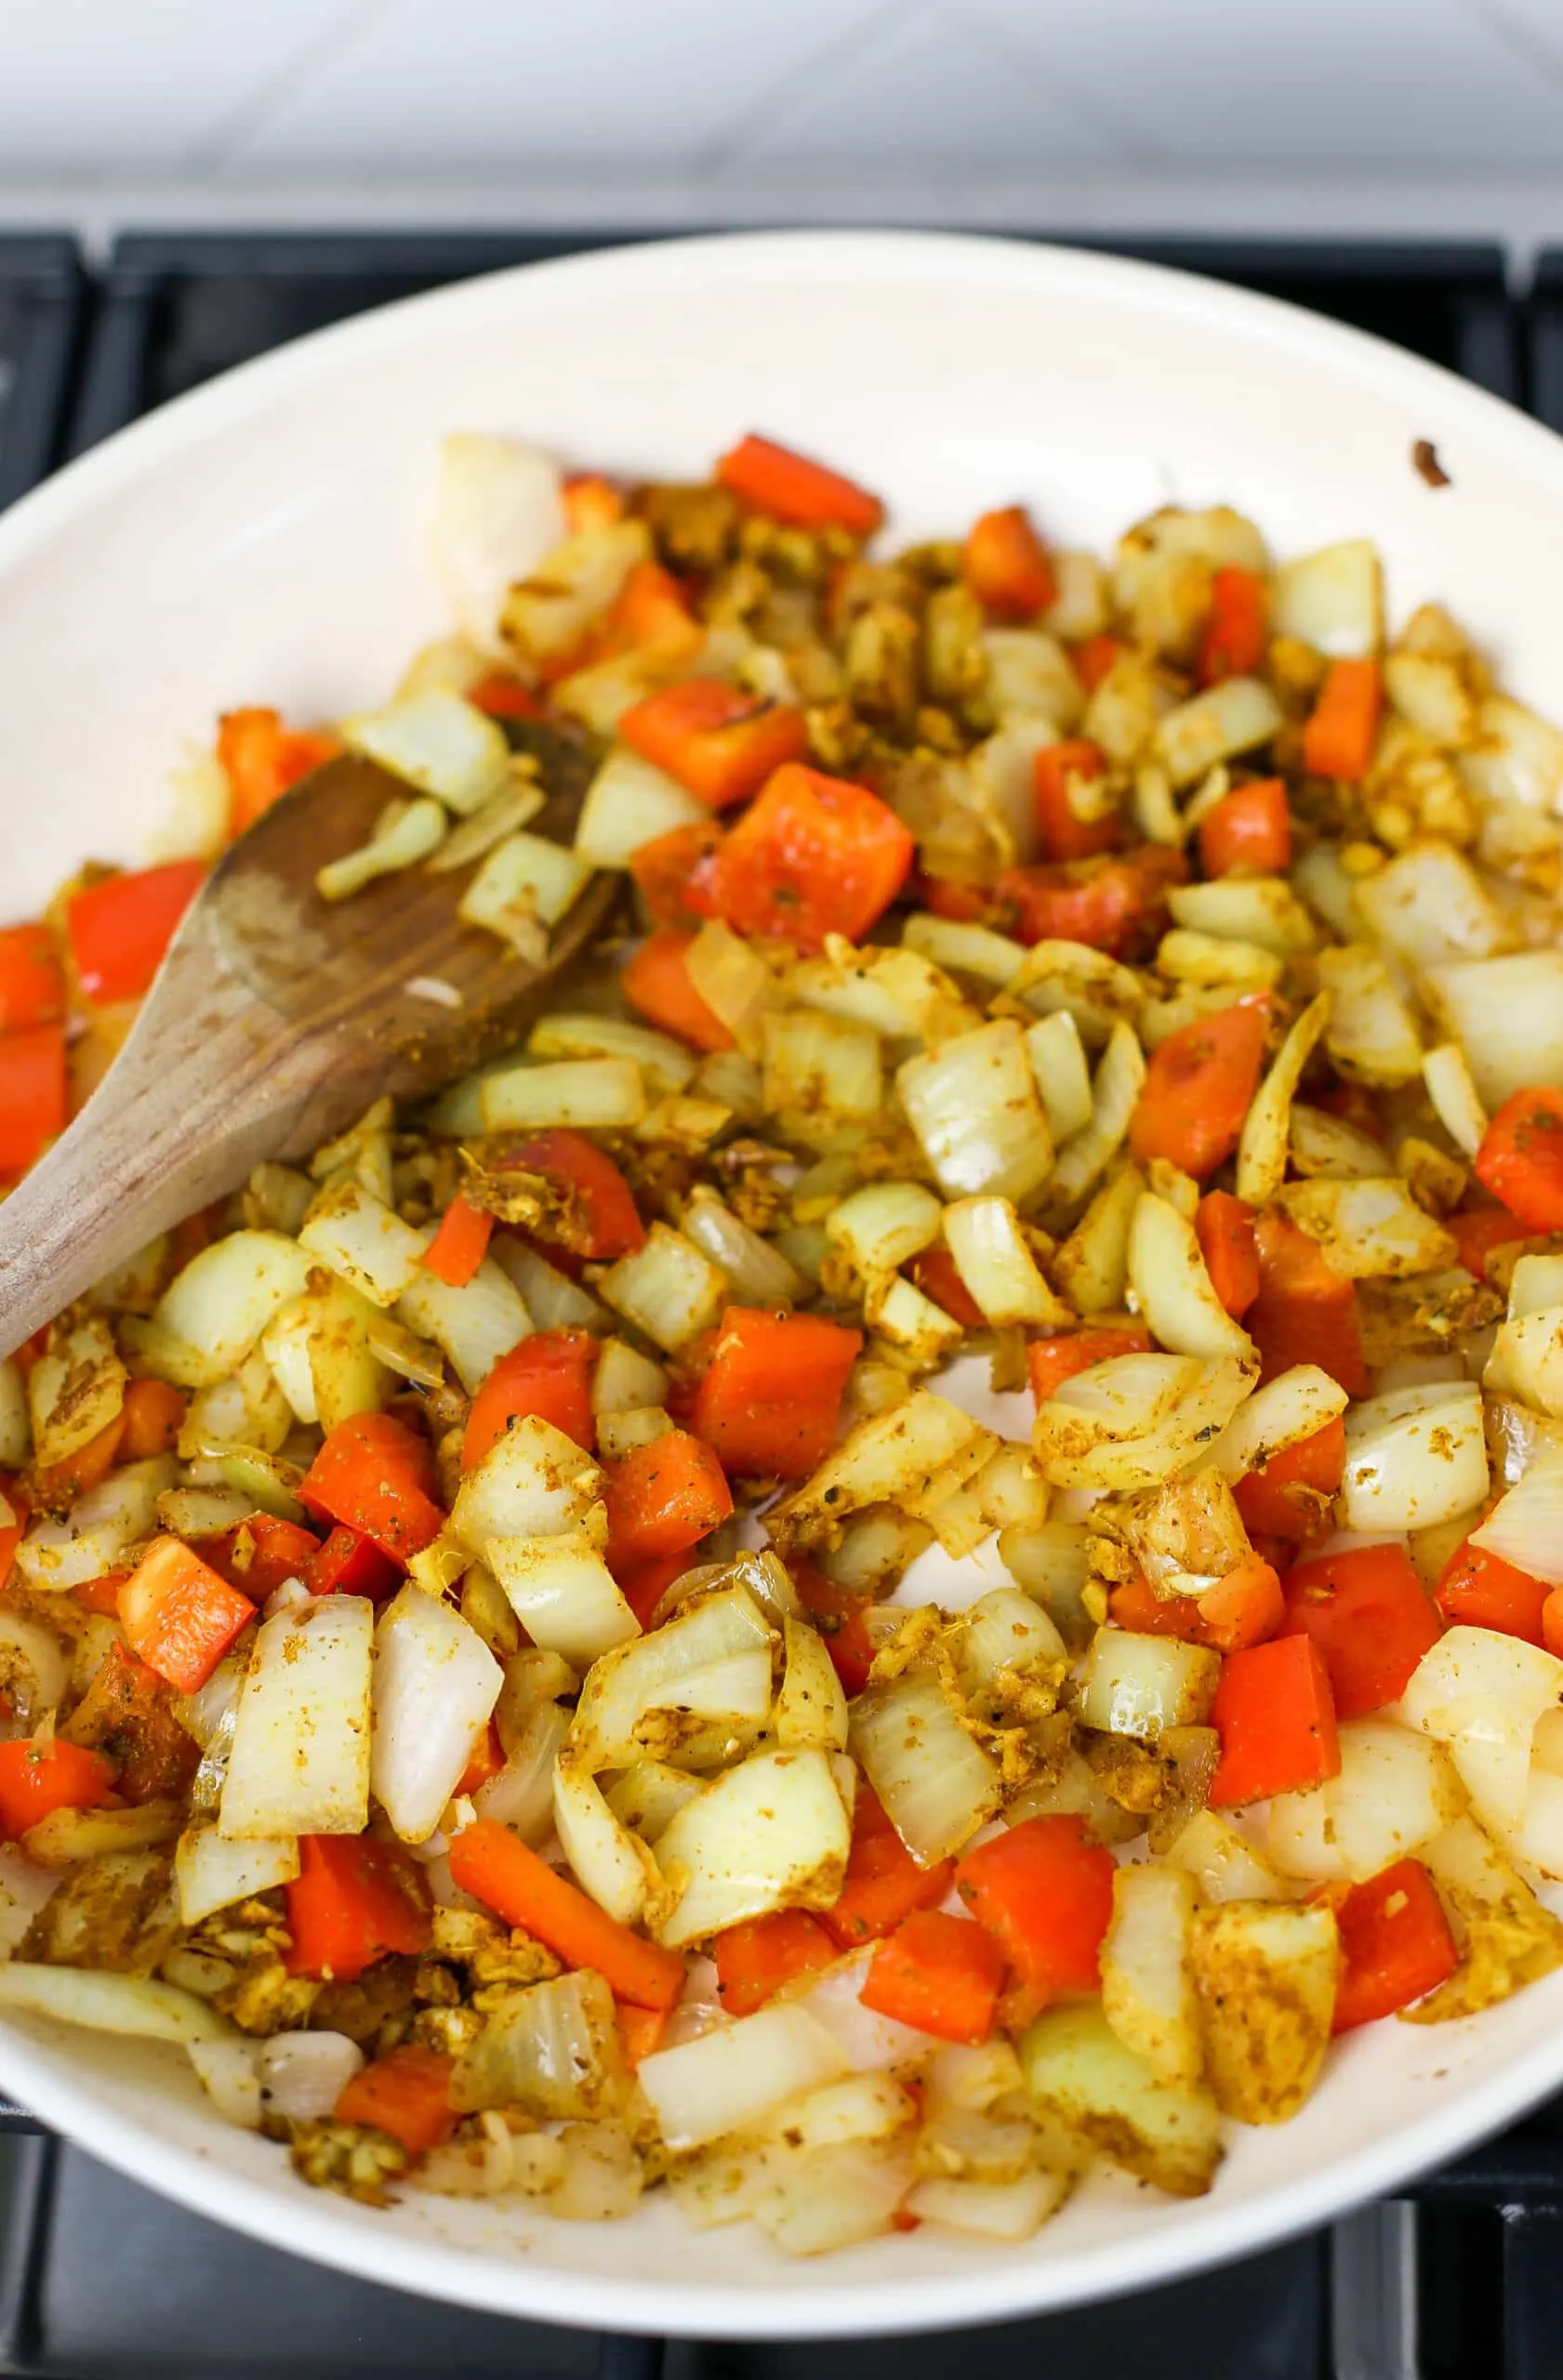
[(515, 1650)]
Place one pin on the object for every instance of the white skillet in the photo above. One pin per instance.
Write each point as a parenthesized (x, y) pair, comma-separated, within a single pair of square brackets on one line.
[(262, 541)]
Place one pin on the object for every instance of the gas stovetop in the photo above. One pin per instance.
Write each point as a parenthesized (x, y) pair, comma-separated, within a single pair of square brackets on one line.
[(1461, 2280)]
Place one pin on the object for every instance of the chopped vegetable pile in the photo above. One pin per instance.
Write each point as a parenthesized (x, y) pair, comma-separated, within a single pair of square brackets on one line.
[(924, 1543)]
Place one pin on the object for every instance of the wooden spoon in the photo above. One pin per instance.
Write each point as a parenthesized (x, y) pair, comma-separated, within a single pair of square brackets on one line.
[(276, 1019)]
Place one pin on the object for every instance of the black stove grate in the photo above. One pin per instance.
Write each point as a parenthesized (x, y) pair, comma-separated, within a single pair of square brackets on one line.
[(102, 2281), (40, 316)]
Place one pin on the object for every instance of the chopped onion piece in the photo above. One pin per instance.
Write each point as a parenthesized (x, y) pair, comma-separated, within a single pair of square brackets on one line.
[(498, 511), (1519, 757), (1370, 1230), (438, 742), (770, 1834), (757, 1274), (879, 1228), (211, 1873), (1262, 1151), (964, 949), (524, 884), (1172, 1287), (363, 1240), (997, 1266), (303, 2075), (1428, 904), (1006, 2210), (532, 1482), (475, 1323), (300, 1758), (608, 1861), (1507, 1017), (1058, 1062), (103, 1525), (1140, 1685), (625, 1379), (889, 1457), (810, 1709), (670, 1288), (629, 802), (1456, 1102), (1291, 1407), (894, 993), (553, 1300), (1526, 1526), (729, 2078), (223, 1300), (1332, 598), (666, 1064), (1482, 1694), (553, 2050), (974, 1107), (110, 2003), (435, 1684), (1261, 909), (1372, 1033), (1227, 719), (562, 1592), (227, 2073), (713, 1659), (1413, 1458), (546, 615), (937, 1786), (521, 1795), (1120, 1078), (408, 833)]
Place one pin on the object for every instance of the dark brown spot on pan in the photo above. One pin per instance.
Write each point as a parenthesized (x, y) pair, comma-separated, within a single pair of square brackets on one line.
[(1424, 460)]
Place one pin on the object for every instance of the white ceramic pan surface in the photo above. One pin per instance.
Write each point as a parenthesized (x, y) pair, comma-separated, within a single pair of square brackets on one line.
[(263, 541)]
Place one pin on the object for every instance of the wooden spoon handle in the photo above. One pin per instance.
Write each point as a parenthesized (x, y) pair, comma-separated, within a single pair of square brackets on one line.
[(192, 1102)]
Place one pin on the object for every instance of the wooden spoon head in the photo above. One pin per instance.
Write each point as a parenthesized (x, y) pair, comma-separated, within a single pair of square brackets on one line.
[(344, 967)]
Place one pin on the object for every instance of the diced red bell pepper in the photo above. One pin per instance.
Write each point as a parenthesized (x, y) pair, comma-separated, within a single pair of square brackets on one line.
[(346, 1563), (643, 1584), (1275, 1717), (1396, 1944), (38, 1777), (1233, 643), (755, 1959), (1520, 1159), (1249, 833), (656, 983), (718, 742), (600, 1220), (1093, 657), (32, 980), (792, 488), (1304, 1313), (374, 1475), (664, 1497), (841, 1618), (1244, 1608), (591, 502), (811, 856), (1116, 904), (671, 872), (33, 1094), (261, 758), (939, 1973), (650, 611), (354, 1900), (1480, 1590), (153, 1414), (179, 1616), (1269, 1499), (264, 1552), (770, 1397), (883, 1883), (1341, 731), (503, 696), (405, 2093), (1052, 1361), (1480, 1230), (461, 1243), (1198, 1088), (119, 928), (1061, 831), (1223, 1227), (548, 1374), (1006, 565), (1045, 1890)]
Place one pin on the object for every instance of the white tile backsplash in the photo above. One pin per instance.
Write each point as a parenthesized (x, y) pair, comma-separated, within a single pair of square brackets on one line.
[(781, 106)]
